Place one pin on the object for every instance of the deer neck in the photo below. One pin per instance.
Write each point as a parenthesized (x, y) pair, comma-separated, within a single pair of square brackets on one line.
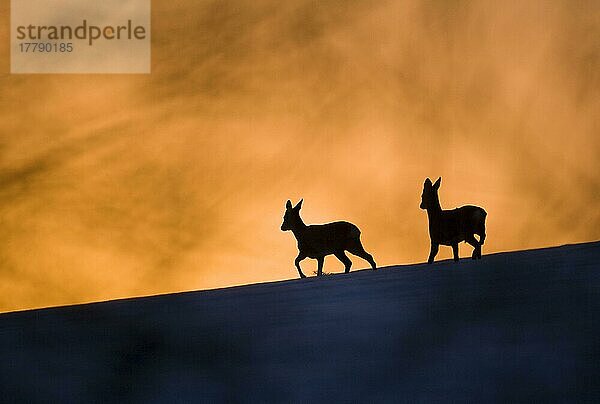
[(298, 228), (435, 209)]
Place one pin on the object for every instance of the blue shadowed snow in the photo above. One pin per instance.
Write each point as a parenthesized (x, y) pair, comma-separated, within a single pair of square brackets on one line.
[(516, 326)]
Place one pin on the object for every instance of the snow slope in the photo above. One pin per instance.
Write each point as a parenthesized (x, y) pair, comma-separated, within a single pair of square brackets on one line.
[(515, 326)]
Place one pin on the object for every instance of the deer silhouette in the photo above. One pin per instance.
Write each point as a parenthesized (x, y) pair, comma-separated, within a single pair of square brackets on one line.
[(319, 240), (450, 227)]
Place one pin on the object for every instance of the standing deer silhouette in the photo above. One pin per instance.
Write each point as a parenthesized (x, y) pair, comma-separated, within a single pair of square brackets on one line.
[(450, 227), (319, 240)]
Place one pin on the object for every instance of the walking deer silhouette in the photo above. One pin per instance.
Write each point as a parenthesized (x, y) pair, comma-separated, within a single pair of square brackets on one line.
[(450, 227), (319, 240)]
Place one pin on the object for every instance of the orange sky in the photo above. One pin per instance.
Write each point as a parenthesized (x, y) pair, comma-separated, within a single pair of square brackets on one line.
[(124, 185)]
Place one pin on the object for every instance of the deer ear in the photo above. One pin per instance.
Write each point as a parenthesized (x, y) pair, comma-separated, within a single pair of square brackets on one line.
[(299, 205), (437, 184), (427, 182), (288, 205)]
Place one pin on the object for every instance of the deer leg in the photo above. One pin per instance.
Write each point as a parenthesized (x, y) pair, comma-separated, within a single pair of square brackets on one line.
[(476, 246), (481, 237), (299, 258), (481, 240), (320, 262), (481, 233), (341, 255), (434, 250), (359, 251), (455, 251)]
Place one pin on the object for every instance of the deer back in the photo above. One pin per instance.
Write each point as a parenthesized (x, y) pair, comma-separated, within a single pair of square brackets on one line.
[(323, 239), (454, 226)]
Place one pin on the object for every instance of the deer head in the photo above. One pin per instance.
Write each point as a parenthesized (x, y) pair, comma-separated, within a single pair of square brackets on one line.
[(291, 217), (429, 198)]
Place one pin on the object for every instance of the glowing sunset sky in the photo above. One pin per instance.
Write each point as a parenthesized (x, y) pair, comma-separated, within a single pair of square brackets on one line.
[(123, 185)]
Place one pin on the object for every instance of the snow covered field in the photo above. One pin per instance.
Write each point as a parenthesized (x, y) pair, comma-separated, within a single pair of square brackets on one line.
[(515, 326)]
